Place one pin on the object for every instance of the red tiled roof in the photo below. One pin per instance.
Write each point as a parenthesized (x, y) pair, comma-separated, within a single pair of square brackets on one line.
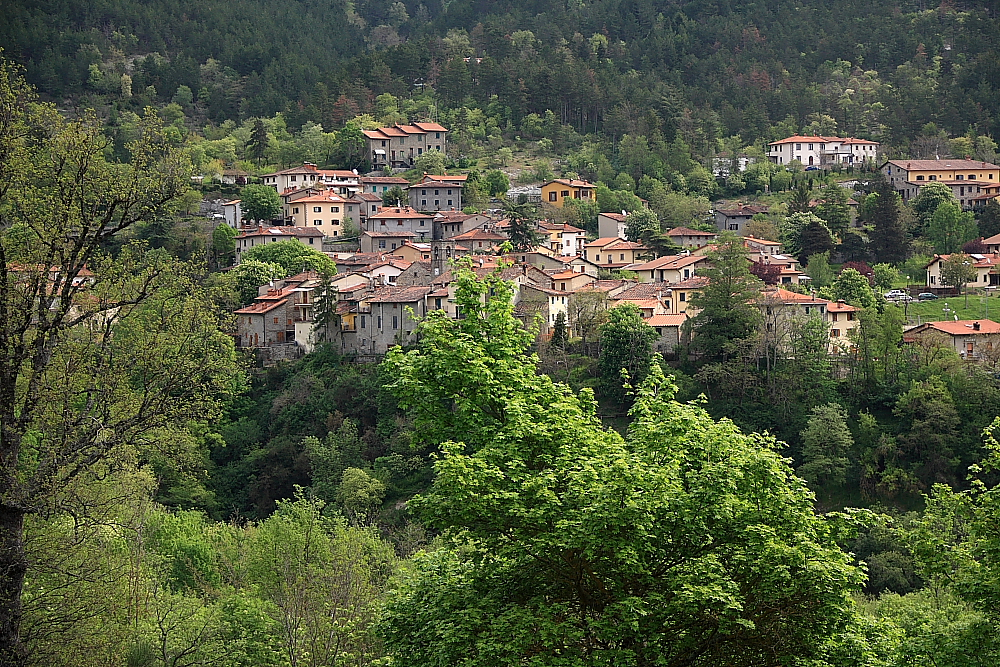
[(966, 327), (936, 165), (570, 183), (431, 127), (822, 140), (398, 212)]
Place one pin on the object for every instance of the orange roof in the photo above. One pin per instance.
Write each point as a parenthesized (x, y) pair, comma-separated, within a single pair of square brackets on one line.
[(840, 307), (431, 127), (324, 197), (601, 242), (398, 212), (822, 140), (666, 320), (785, 296), (966, 327)]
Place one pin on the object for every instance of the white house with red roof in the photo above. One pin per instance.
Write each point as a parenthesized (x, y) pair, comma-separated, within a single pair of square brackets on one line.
[(984, 264), (818, 151)]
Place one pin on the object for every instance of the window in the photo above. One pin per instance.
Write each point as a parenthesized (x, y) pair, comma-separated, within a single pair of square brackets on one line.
[(684, 296), (932, 177), (317, 209), (449, 204), (437, 303), (834, 333), (798, 147), (835, 316), (335, 233), (437, 148), (597, 259), (734, 227), (553, 196), (334, 209), (295, 209), (395, 321), (810, 146), (422, 221), (381, 243), (276, 320), (437, 135), (423, 202), (920, 178), (379, 322), (564, 193), (364, 322), (292, 179), (423, 192), (317, 222), (449, 191), (687, 273), (972, 177), (437, 201), (959, 177)]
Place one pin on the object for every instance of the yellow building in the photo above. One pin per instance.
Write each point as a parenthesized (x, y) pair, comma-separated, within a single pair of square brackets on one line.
[(556, 192), (324, 211), (966, 178)]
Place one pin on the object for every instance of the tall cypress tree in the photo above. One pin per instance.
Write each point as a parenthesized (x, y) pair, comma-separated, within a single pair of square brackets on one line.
[(888, 237)]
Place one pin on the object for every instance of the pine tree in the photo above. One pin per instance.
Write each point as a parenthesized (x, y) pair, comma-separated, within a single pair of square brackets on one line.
[(883, 212)]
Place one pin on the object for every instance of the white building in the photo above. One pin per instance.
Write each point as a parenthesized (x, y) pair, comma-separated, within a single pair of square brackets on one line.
[(823, 151)]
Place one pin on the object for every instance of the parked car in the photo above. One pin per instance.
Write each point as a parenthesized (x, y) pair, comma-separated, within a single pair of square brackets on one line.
[(927, 296), (905, 298), (894, 294)]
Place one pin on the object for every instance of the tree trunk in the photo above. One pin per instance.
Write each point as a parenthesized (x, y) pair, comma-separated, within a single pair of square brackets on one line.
[(13, 565)]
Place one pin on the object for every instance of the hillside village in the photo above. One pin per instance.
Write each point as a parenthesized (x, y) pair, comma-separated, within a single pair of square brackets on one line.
[(395, 261)]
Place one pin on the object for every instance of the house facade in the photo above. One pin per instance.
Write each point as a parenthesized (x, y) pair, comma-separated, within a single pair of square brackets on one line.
[(324, 211), (400, 145), (817, 151), (973, 340), (431, 194), (966, 178), (985, 266), (556, 192), (736, 219)]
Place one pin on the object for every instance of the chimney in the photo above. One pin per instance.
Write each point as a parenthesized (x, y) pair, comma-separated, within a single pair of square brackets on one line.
[(975, 326)]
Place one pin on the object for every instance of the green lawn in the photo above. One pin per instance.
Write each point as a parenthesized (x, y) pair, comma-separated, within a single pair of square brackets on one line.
[(979, 308)]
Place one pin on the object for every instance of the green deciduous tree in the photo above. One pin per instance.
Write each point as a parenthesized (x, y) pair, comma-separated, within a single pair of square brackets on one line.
[(854, 288), (250, 274), (689, 543), (260, 203), (814, 239), (496, 182), (958, 271), (292, 256), (641, 224), (826, 442), (223, 246), (626, 346), (394, 196), (949, 228), (90, 366), (818, 268)]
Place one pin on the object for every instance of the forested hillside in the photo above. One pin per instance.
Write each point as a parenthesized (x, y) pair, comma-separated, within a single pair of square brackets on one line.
[(710, 69)]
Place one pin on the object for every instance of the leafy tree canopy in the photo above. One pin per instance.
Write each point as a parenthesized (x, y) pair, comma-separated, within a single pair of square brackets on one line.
[(292, 256)]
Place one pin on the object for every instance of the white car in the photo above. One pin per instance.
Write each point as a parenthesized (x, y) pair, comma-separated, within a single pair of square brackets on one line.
[(894, 294)]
